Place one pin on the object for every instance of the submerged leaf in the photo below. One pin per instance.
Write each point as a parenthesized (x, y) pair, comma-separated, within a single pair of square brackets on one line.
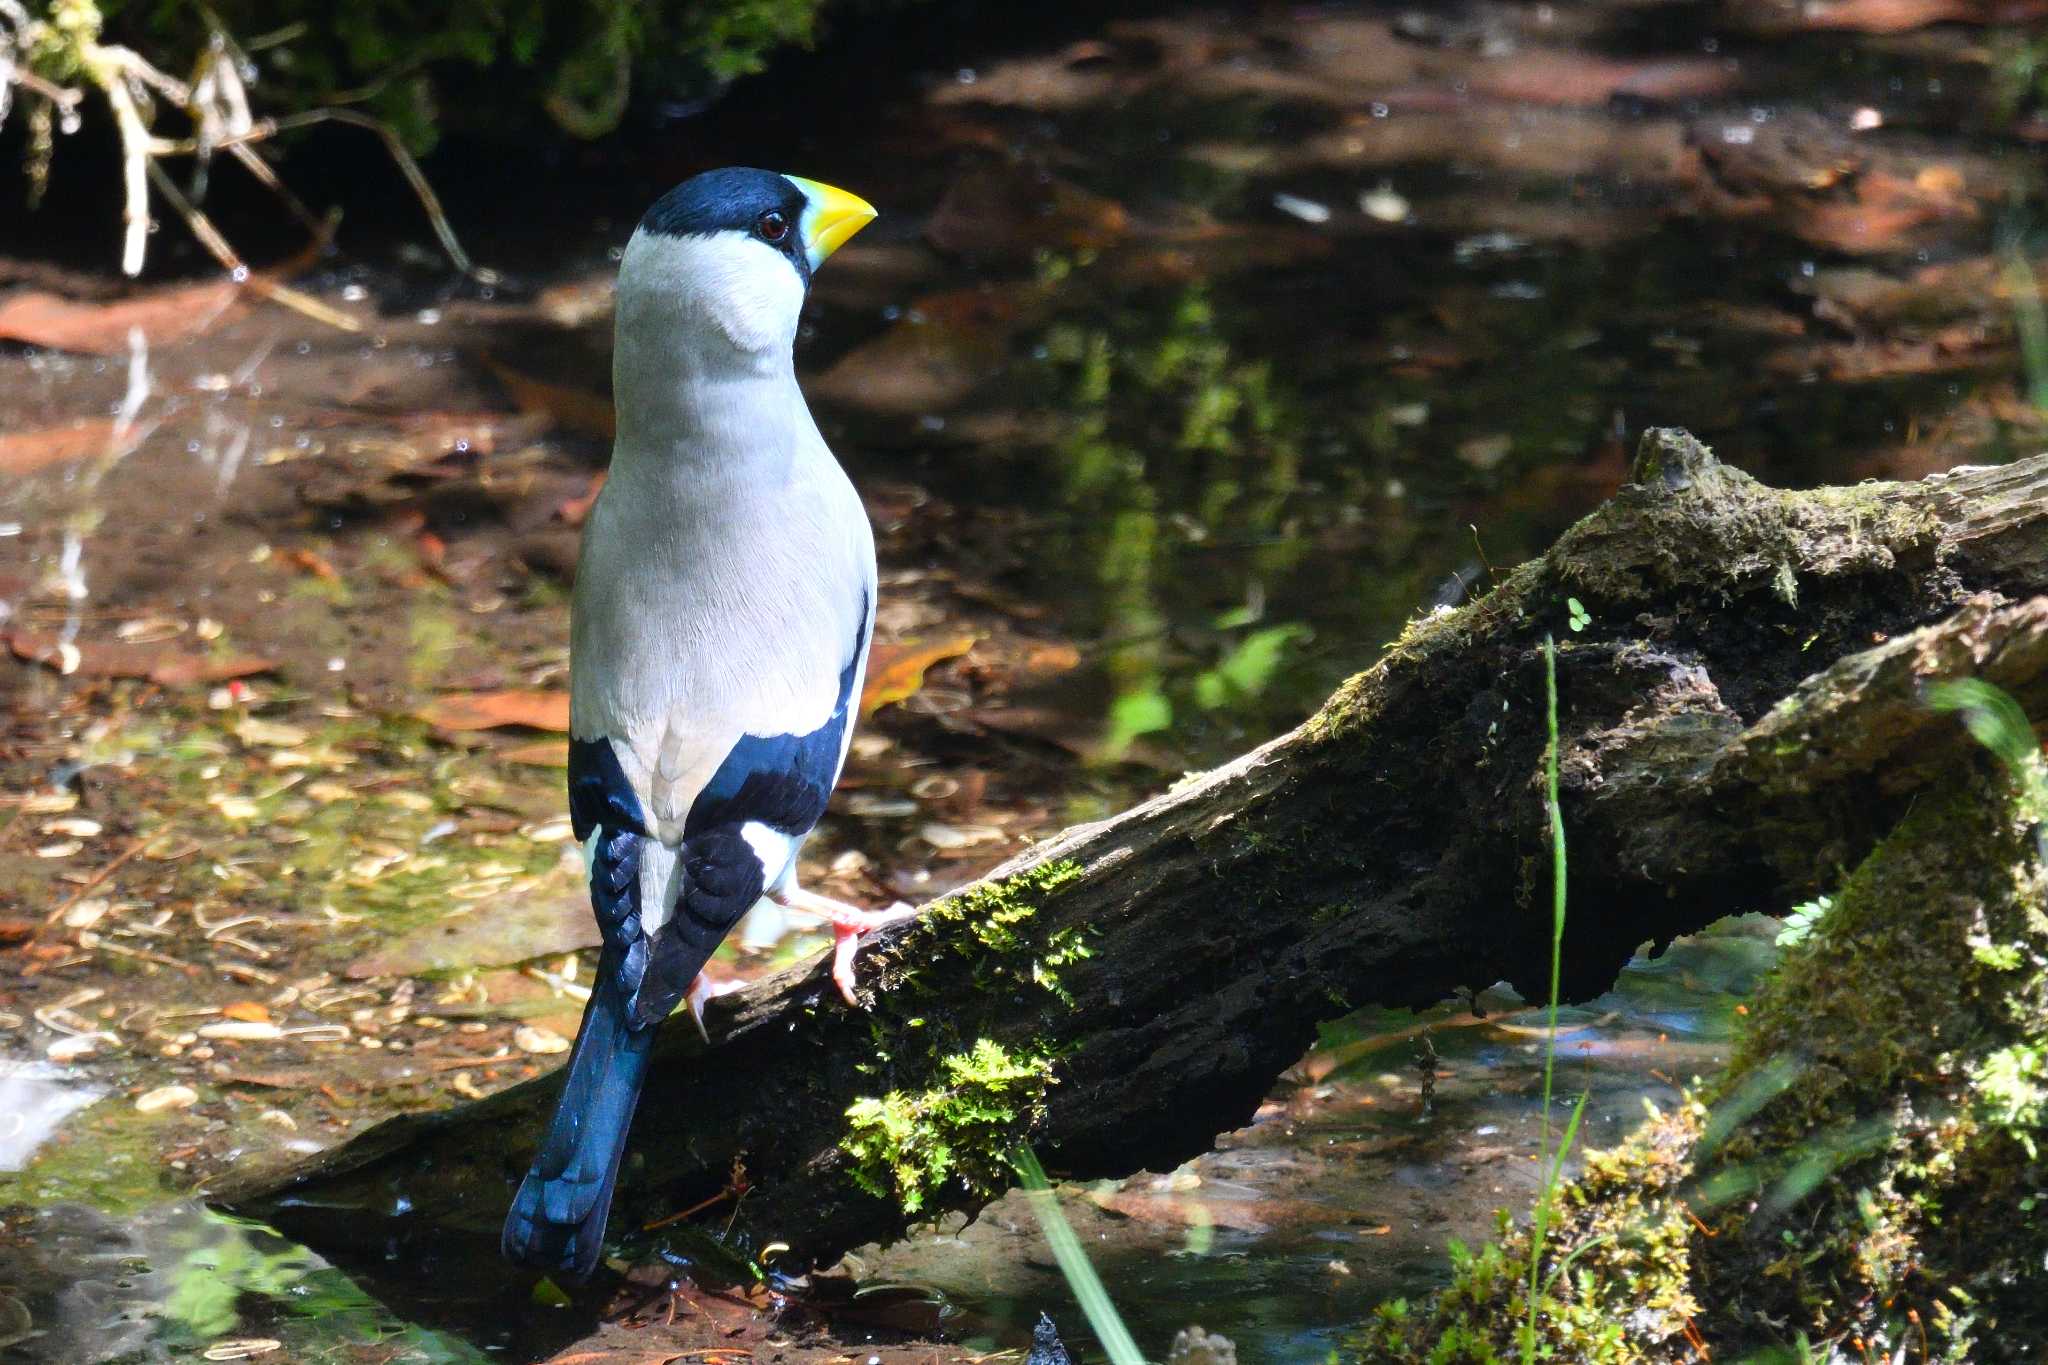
[(25, 452)]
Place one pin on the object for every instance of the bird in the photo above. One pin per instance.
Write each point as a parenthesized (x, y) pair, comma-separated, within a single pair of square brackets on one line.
[(723, 608)]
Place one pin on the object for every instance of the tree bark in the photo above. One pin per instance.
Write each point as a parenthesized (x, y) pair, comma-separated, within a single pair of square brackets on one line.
[(1740, 719)]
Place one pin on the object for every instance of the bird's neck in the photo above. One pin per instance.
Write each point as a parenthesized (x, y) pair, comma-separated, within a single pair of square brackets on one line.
[(684, 419)]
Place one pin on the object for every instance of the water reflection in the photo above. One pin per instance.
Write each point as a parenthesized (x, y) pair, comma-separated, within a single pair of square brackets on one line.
[(34, 1100), (182, 1283)]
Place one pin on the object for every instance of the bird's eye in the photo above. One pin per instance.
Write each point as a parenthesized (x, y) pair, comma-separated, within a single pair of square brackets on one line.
[(772, 226)]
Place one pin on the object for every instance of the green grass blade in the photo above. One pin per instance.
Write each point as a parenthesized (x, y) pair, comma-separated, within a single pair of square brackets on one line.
[(1103, 1319), (2031, 321), (1552, 1165)]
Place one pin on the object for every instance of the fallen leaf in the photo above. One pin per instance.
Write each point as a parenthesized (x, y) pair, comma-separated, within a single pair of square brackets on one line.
[(25, 452), (539, 1041), (250, 1011), (522, 708), (896, 670), (305, 1079), (1012, 211), (943, 348), (234, 807), (255, 731), (166, 668), (545, 753), (574, 409), (312, 562), (242, 1031), (163, 315), (1890, 16), (166, 1097), (185, 670), (1570, 79)]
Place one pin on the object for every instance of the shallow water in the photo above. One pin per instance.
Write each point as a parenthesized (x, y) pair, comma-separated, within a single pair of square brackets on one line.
[(1192, 356)]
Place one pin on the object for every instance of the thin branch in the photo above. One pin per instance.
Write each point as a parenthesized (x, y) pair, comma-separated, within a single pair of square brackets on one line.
[(408, 167), (210, 237)]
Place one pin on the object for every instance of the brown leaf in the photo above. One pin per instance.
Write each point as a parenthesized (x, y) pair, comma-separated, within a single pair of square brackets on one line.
[(164, 315), (276, 1080), (521, 708), (944, 348), (546, 753), (1886, 16), (1010, 212), (25, 452), (250, 1011), (574, 409), (312, 562), (161, 665), (184, 670), (1583, 80), (896, 671)]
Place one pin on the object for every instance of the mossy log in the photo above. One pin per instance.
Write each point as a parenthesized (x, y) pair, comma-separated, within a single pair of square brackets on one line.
[(1864, 1181), (1740, 721)]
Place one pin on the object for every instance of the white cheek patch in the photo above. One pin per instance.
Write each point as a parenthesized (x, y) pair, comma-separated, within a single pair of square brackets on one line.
[(744, 288)]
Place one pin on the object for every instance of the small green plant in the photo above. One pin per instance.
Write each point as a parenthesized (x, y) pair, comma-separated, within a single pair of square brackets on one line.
[(1580, 617), (1804, 919)]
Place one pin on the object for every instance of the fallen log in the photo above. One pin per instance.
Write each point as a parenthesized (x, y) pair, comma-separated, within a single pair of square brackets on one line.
[(1739, 720)]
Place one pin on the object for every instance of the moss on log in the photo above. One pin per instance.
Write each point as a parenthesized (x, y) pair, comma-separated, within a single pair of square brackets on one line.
[(1864, 1182), (1740, 721)]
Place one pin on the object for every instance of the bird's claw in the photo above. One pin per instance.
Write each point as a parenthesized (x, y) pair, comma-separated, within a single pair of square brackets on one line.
[(848, 924), (703, 988)]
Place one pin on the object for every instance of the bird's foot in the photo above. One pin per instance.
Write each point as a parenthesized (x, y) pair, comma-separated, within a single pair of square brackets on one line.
[(848, 923), (703, 988)]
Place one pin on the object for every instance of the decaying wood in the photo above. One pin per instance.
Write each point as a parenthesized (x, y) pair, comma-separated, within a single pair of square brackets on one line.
[(1741, 718)]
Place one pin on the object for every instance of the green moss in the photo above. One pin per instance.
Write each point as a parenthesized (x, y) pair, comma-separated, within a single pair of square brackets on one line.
[(1829, 1193), (909, 1146), (991, 923), (108, 1156), (1615, 1283)]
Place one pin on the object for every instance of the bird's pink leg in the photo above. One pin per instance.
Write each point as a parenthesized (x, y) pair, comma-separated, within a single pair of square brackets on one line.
[(848, 924)]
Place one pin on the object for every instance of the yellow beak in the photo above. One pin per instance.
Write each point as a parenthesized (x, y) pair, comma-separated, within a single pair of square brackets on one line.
[(830, 217)]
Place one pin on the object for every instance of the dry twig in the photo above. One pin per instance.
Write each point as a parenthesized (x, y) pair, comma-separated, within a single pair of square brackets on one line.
[(216, 101)]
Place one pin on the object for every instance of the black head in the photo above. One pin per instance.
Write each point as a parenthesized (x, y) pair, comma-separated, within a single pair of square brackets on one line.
[(760, 204)]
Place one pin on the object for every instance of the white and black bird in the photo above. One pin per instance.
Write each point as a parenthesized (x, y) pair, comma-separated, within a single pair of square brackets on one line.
[(724, 603)]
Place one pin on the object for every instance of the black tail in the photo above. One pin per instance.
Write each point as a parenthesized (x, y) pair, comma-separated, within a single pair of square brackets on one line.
[(557, 1219)]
